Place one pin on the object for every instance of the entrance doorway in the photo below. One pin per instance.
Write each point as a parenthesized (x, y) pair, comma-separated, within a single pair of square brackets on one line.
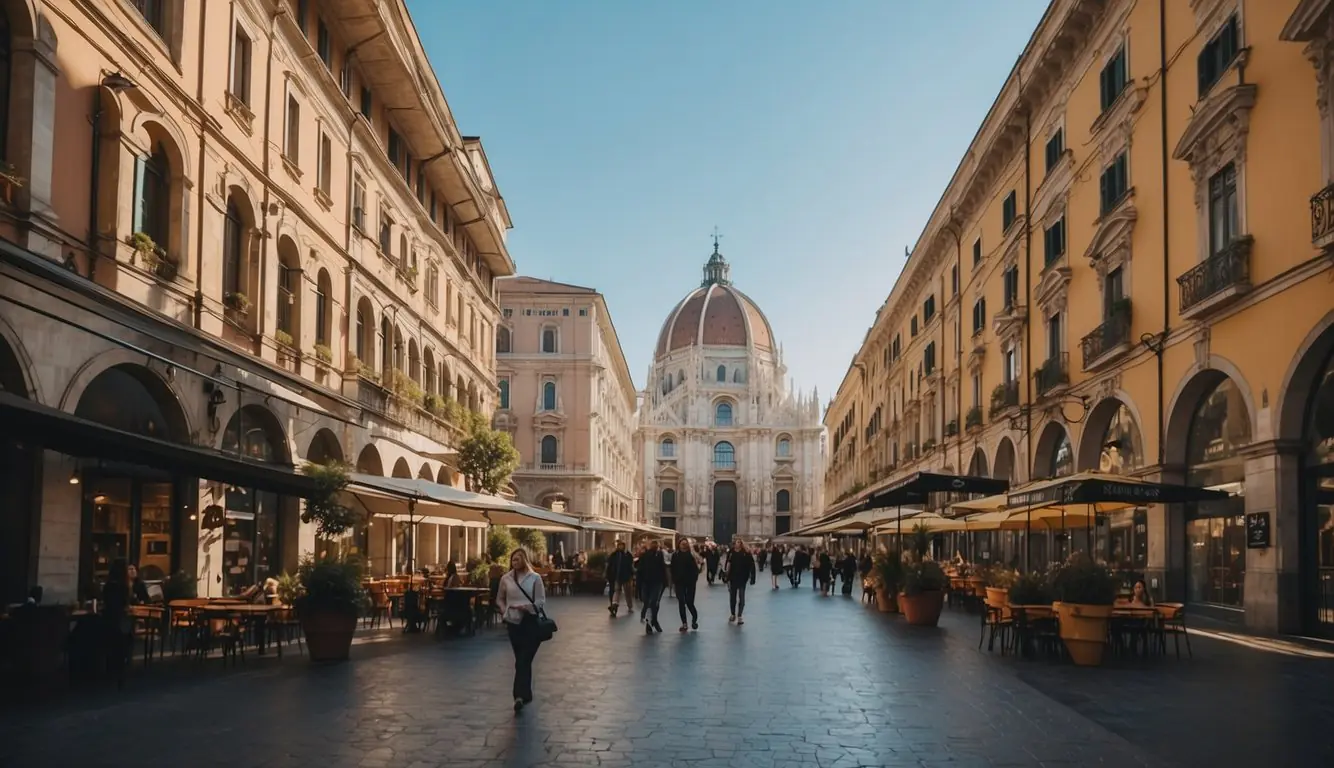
[(130, 515), (1318, 504), (724, 512)]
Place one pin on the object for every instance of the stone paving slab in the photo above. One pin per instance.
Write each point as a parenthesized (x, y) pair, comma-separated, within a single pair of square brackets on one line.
[(808, 681)]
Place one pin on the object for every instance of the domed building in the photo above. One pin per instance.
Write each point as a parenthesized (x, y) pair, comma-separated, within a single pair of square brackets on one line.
[(729, 448)]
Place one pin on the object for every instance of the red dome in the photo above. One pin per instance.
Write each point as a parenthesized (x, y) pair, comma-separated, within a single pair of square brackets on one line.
[(715, 314)]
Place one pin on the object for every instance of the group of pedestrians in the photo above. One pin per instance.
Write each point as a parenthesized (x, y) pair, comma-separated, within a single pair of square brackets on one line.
[(653, 571)]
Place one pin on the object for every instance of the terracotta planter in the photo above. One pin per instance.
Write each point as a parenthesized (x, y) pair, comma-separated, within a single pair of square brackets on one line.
[(328, 634), (998, 597), (1084, 631), (885, 600), (923, 608)]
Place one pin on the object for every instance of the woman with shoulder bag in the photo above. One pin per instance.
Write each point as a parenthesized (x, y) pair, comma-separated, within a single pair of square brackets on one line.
[(520, 600)]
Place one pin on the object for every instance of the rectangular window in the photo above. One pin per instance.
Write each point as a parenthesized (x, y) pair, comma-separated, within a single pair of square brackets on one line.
[(929, 359), (897, 347), (979, 315), (1055, 148), (1113, 79), (241, 67), (1009, 211), (977, 251), (1054, 336), (1113, 290), (977, 390), (366, 101), (292, 149), (1010, 281), (954, 280), (913, 326), (421, 188), (323, 45), (398, 153), (302, 14), (325, 174), (928, 309), (1218, 55), (1053, 242), (1010, 365), (1114, 184), (431, 209), (386, 235), (1223, 227), (345, 80), (359, 203)]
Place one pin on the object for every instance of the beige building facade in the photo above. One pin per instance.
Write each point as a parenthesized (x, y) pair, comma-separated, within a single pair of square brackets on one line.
[(1130, 271), (263, 240), (566, 397)]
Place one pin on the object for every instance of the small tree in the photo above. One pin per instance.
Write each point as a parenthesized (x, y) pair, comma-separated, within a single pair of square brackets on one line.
[(499, 544), (532, 540), (487, 457), (331, 518)]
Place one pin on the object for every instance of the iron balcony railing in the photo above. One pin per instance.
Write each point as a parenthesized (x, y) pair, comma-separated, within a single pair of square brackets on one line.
[(1004, 396), (1054, 372), (973, 418), (1229, 268), (1322, 214), (1113, 332)]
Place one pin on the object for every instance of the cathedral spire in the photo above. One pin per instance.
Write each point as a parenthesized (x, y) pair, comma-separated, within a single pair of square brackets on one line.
[(716, 270)]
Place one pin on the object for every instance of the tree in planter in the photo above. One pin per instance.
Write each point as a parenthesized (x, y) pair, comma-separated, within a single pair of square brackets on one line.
[(887, 573), (330, 594), (922, 593), (499, 544), (921, 540), (487, 457), (532, 540), (1084, 592)]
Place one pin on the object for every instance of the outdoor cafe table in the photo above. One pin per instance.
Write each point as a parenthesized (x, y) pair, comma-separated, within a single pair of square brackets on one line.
[(254, 613)]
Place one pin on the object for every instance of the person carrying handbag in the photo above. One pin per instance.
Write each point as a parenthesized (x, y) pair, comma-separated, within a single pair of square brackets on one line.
[(520, 600)]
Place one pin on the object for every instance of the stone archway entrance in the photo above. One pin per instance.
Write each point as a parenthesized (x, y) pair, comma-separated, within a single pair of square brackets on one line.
[(724, 511)]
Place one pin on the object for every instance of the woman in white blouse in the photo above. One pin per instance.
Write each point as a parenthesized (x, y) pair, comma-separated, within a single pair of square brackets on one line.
[(519, 598)]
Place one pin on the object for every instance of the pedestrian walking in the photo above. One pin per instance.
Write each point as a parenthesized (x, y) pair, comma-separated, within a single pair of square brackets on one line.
[(775, 566), (620, 574), (685, 569), (825, 572), (848, 568), (653, 580), (519, 599), (740, 569), (790, 565), (711, 558)]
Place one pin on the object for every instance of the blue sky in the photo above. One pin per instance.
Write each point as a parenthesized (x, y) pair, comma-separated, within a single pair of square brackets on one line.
[(817, 136)]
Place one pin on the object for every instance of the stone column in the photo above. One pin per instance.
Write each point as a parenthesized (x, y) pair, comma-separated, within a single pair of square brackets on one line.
[(32, 120), (1273, 575), (59, 530)]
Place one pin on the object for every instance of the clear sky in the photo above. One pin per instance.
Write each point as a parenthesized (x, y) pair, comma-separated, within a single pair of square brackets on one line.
[(816, 135)]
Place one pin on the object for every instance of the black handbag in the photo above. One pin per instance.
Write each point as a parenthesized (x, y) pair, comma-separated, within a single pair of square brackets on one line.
[(542, 626)]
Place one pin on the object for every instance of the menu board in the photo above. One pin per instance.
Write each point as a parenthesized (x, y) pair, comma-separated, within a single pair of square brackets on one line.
[(1257, 530)]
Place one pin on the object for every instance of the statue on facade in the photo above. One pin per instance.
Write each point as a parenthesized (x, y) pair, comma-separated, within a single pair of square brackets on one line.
[(690, 493), (768, 489), (754, 492)]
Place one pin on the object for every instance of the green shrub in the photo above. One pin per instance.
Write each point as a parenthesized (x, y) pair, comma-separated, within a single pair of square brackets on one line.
[(331, 584), (289, 588), (478, 575), (887, 572), (923, 576), (1030, 589), (1082, 581), (1000, 577), (499, 545), (533, 541), (597, 561)]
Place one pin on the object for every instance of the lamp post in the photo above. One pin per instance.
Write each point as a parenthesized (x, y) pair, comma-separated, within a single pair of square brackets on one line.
[(116, 83)]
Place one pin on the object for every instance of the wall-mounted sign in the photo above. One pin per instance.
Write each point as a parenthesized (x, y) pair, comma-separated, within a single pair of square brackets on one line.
[(1257, 530)]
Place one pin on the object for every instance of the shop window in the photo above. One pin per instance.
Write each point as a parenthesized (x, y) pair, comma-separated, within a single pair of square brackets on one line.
[(1216, 531)]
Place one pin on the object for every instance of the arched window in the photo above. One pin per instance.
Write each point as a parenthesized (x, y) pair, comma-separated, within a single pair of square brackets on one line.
[(549, 449), (784, 447), (152, 214), (1062, 457), (722, 373), (289, 288), (428, 371), (502, 340), (783, 501), (232, 237), (549, 341), (724, 456), (504, 393), (323, 318), (549, 396), (667, 448), (365, 342), (668, 501), (722, 415)]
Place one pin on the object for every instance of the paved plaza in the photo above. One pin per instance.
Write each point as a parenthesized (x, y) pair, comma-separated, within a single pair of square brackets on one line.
[(806, 682)]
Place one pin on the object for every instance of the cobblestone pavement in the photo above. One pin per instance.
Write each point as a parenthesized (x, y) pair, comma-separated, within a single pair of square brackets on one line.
[(806, 682)]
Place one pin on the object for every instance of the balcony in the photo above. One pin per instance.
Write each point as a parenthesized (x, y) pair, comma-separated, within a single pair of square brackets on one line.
[(1109, 340), (1053, 375), (1004, 397), (973, 420), (952, 428), (1322, 217), (1217, 280)]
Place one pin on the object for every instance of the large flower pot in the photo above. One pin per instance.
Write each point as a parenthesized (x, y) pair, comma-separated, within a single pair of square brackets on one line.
[(923, 608), (998, 597), (328, 634), (1084, 631), (884, 600)]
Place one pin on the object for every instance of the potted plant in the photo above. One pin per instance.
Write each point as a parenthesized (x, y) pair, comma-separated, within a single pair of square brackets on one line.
[(922, 593), (323, 353), (999, 580), (283, 338), (887, 573), (479, 575), (1029, 589), (1084, 592), (236, 301), (330, 594), (289, 588)]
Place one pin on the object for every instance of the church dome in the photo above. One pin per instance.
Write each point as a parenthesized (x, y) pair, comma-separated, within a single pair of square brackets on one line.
[(715, 314)]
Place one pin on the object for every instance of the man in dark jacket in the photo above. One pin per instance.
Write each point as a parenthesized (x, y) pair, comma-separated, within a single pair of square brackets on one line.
[(652, 582), (740, 569), (711, 558), (620, 573), (685, 569)]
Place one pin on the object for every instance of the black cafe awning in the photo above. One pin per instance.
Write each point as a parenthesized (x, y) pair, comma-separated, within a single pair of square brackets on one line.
[(56, 430), (1086, 488), (917, 488)]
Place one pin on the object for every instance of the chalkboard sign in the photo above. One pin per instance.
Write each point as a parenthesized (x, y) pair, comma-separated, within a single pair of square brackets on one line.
[(1257, 530)]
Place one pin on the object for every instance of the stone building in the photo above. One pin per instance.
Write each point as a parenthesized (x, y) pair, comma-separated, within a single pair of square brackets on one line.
[(263, 240), (567, 398), (1130, 271), (728, 448)]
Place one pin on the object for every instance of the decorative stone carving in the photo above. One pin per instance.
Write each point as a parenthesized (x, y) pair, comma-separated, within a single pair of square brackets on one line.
[(1110, 246), (1202, 348), (1053, 288), (1216, 135), (1108, 386)]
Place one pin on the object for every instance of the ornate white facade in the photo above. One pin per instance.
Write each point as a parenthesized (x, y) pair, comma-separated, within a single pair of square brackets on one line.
[(729, 448)]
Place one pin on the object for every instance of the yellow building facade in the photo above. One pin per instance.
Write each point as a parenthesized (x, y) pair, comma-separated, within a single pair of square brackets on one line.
[(1131, 270)]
